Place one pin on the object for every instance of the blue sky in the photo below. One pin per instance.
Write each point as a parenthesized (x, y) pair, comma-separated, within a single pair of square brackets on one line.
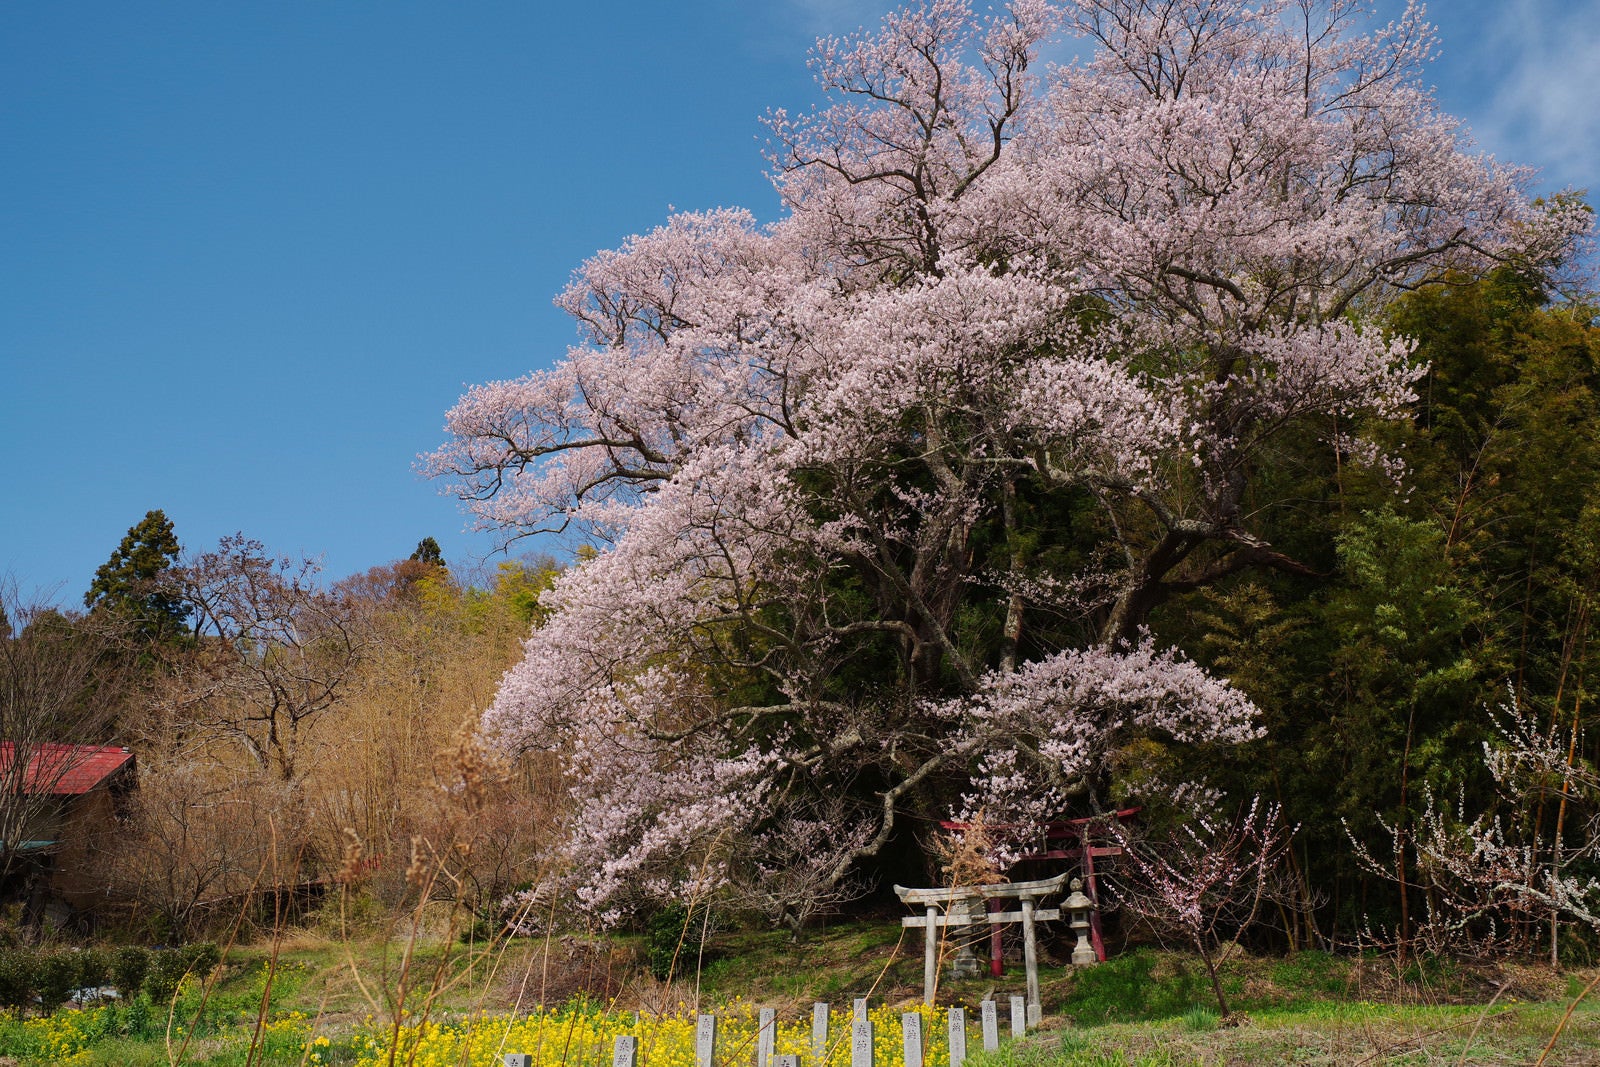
[(252, 251)]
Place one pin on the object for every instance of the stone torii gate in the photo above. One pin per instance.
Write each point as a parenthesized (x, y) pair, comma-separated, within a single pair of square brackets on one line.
[(965, 906), (1069, 839)]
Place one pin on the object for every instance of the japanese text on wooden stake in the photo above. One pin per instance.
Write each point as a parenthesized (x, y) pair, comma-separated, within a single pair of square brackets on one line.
[(766, 1035), (911, 1036), (705, 1041), (861, 1044)]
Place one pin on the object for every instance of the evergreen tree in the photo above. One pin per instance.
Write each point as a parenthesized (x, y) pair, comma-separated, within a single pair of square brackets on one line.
[(131, 580), (428, 551)]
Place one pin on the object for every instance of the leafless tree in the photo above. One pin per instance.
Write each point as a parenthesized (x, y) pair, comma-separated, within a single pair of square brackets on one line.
[(201, 842), (62, 676), (273, 650), (1208, 881), (492, 823)]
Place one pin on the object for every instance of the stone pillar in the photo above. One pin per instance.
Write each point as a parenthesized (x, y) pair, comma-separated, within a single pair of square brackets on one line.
[(966, 963), (1030, 959), (705, 1041), (819, 1033), (861, 1051), (911, 1038), (766, 1036), (958, 1036)]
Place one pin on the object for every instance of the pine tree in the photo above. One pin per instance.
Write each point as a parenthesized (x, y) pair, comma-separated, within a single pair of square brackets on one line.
[(130, 581), (428, 551)]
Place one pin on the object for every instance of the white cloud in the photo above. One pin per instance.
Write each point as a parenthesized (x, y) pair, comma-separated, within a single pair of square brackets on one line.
[(1537, 67), (823, 18)]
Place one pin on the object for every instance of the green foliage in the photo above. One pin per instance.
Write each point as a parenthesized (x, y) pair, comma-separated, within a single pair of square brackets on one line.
[(48, 975), (1403, 669), (168, 968), (130, 581), (518, 585), (1374, 667), (55, 976), (1129, 987), (16, 977), (203, 957), (94, 968), (129, 966), (672, 939), (428, 551)]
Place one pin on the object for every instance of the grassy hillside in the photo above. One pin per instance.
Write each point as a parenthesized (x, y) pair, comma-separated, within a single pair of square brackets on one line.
[(318, 1001)]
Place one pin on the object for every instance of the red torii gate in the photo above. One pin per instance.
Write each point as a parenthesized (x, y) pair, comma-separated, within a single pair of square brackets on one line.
[(1079, 831)]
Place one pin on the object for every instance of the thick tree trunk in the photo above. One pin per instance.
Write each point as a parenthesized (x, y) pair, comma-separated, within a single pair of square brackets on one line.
[(1144, 589), (1011, 634)]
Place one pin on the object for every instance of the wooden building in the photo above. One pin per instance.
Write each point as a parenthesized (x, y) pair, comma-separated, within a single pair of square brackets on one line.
[(59, 801)]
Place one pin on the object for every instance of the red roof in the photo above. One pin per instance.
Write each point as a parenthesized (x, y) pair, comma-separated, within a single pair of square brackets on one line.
[(62, 770)]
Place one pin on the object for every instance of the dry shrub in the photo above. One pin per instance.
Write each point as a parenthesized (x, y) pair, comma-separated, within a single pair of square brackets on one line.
[(559, 969), (403, 771), (205, 844), (966, 857), (387, 777)]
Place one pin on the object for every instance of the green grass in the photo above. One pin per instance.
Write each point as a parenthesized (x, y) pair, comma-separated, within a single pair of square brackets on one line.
[(1313, 973), (1327, 1035), (832, 965), (1141, 985), (1141, 1009)]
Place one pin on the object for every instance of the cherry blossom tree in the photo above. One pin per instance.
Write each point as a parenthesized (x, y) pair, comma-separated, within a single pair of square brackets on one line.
[(888, 489)]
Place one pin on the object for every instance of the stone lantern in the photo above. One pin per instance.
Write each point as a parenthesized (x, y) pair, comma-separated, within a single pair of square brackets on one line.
[(1080, 906), (966, 912)]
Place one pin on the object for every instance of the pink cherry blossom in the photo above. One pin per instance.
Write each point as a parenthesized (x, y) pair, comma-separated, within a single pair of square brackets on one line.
[(995, 293)]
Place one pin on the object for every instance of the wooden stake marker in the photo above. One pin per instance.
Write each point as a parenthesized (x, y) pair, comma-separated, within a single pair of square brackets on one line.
[(958, 1036), (705, 1041), (861, 1051), (991, 1026)]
